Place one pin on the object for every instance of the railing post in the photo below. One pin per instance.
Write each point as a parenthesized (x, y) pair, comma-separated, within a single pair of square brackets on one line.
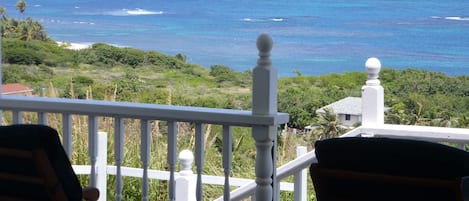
[(264, 103), (372, 95), (300, 185), (101, 163), (185, 185)]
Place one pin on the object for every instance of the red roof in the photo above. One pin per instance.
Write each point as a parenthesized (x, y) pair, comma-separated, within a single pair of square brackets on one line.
[(15, 88)]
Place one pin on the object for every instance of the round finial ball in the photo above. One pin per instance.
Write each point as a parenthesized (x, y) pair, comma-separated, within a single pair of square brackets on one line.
[(264, 43), (186, 155), (373, 63)]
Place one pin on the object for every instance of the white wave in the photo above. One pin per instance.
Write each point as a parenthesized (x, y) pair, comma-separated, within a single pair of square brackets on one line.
[(81, 22), (137, 11), (253, 20), (263, 19), (277, 19), (457, 18)]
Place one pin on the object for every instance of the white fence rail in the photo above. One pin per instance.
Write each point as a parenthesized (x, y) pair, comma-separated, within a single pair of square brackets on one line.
[(185, 178)]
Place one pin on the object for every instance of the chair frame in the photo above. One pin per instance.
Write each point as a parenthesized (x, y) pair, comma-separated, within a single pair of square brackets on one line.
[(319, 175), (45, 175), (388, 169)]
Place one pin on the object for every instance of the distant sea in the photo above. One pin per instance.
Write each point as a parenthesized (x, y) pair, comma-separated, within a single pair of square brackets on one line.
[(314, 37)]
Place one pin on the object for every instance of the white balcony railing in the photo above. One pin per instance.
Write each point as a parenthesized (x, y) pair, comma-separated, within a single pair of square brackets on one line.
[(263, 119)]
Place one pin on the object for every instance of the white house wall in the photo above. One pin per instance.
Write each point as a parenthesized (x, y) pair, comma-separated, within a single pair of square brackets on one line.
[(353, 119)]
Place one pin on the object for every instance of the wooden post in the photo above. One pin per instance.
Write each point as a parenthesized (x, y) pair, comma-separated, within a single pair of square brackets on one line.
[(264, 103), (372, 95)]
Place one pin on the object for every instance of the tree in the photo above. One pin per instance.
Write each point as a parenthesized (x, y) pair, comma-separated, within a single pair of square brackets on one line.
[(328, 125), (181, 57), (21, 6), (3, 20), (27, 30), (2, 12), (223, 74)]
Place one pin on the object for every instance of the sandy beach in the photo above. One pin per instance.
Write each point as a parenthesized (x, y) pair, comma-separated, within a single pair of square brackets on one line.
[(74, 46)]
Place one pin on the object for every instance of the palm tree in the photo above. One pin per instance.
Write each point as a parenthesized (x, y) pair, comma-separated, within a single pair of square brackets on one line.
[(328, 125), (21, 6), (31, 30), (26, 30), (9, 28), (2, 11)]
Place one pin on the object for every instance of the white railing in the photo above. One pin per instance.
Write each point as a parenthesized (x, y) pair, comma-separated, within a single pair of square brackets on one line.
[(263, 119), (297, 168), (184, 179)]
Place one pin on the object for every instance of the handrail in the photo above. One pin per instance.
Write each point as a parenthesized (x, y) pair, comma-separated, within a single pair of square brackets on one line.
[(437, 134), (429, 133), (141, 111)]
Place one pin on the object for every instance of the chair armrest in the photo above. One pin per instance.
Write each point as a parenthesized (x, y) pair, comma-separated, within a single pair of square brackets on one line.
[(90, 194)]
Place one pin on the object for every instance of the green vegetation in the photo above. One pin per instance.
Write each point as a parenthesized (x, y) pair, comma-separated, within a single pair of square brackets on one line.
[(105, 72), (27, 29)]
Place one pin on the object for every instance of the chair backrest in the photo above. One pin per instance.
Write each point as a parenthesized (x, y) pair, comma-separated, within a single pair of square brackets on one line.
[(34, 165), (388, 169)]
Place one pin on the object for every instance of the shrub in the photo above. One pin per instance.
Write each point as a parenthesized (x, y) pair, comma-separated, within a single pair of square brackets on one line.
[(22, 56)]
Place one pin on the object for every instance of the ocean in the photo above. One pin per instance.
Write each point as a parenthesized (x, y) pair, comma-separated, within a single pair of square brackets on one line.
[(313, 37)]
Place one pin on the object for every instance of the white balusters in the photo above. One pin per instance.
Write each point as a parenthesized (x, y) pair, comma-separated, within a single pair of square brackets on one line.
[(17, 117), (172, 150), (145, 155), (42, 118), (264, 103), (101, 164), (93, 146), (300, 178), (67, 133), (227, 159), (199, 158), (119, 154)]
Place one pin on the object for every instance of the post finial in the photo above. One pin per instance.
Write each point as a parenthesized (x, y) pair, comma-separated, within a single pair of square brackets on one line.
[(186, 157), (264, 44), (373, 66)]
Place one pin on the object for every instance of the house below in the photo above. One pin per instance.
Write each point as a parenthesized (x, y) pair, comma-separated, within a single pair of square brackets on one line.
[(348, 110), (16, 89)]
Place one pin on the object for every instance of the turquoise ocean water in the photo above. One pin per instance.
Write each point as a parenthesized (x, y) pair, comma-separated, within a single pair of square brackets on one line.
[(313, 37)]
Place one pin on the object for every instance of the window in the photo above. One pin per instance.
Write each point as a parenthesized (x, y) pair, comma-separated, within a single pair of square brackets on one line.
[(347, 117)]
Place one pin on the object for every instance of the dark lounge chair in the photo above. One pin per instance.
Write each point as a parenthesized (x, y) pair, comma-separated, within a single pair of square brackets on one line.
[(384, 169), (34, 166)]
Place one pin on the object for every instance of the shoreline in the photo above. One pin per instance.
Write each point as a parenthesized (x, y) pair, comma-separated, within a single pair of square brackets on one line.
[(74, 46)]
